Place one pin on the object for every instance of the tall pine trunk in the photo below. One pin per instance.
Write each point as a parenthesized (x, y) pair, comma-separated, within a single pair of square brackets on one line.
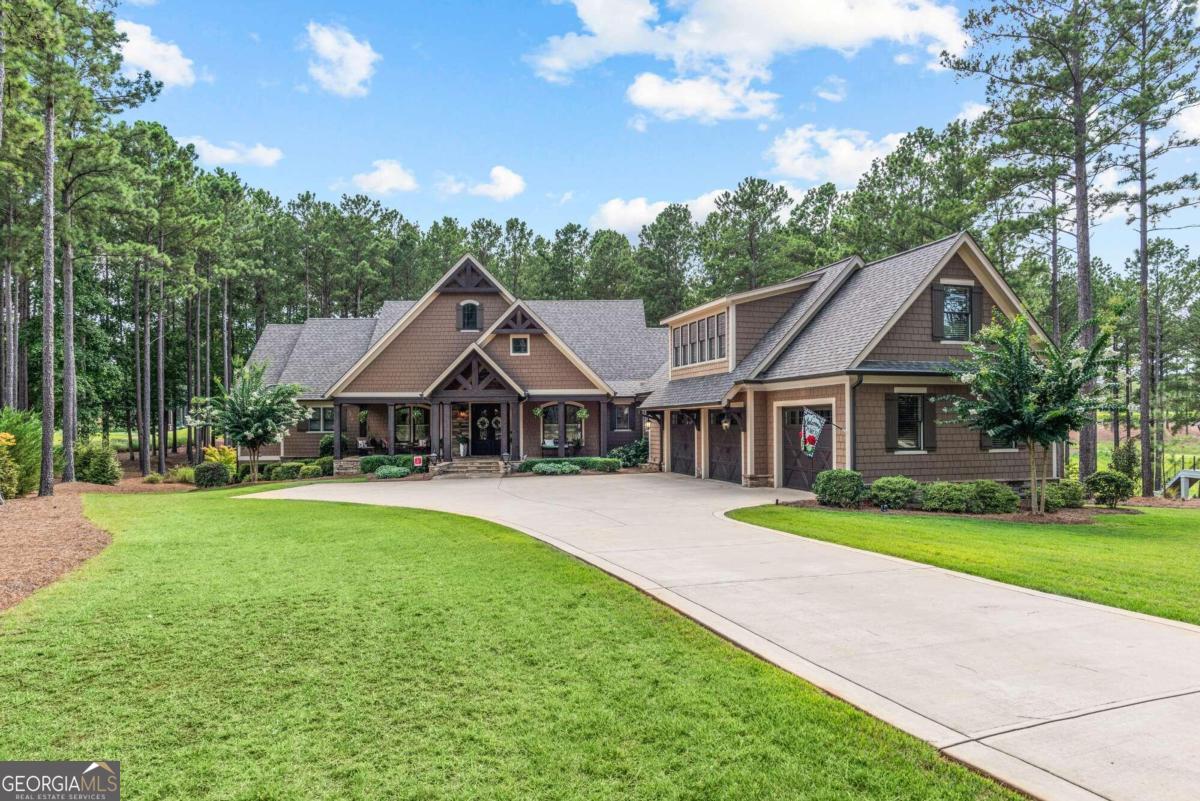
[(69, 402), (226, 335), (136, 306), (1083, 272), (1055, 309), (162, 382), (1146, 433), (46, 486), (144, 436)]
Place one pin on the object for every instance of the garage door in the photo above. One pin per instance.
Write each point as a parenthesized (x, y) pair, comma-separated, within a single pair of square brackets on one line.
[(725, 446), (800, 469), (683, 443)]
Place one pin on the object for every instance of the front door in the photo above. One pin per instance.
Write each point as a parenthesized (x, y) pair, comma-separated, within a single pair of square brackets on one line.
[(485, 429), (799, 469), (683, 443)]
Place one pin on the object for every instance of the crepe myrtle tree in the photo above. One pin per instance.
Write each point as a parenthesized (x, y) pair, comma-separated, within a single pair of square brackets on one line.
[(1031, 392), (250, 414)]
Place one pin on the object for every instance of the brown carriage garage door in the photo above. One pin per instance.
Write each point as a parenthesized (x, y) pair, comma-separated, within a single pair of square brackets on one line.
[(683, 443), (725, 445), (799, 469)]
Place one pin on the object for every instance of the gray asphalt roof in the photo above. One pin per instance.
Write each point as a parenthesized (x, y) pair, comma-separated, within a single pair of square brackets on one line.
[(889, 366), (610, 335), (326, 349), (391, 312), (274, 347), (852, 317)]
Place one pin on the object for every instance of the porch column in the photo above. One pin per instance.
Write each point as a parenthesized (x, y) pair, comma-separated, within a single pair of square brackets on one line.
[(435, 428), (448, 435), (514, 425), (562, 428), (504, 431), (391, 429), (603, 428), (337, 431)]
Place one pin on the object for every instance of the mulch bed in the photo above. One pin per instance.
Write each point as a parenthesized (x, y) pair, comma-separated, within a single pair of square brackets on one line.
[(43, 539), (1063, 516)]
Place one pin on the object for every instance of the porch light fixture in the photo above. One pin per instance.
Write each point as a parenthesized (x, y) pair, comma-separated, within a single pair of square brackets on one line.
[(725, 422)]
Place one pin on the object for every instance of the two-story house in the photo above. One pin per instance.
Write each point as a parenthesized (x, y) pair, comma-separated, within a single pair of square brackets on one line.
[(838, 367)]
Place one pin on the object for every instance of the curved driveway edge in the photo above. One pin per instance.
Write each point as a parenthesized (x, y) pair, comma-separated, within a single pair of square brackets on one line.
[(1060, 698)]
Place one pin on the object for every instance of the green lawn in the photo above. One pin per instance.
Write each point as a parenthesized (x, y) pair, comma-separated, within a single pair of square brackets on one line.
[(248, 649), (1148, 562)]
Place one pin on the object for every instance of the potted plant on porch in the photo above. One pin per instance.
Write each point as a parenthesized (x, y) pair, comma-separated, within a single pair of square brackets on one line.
[(463, 442)]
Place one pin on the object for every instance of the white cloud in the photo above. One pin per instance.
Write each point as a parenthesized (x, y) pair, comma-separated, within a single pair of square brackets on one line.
[(564, 198), (719, 49), (143, 3), (637, 123), (343, 64), (832, 89), (233, 153), (388, 177), (450, 185), (903, 59), (141, 50), (972, 111), (504, 184), (840, 155), (705, 99), (1188, 122), (628, 216)]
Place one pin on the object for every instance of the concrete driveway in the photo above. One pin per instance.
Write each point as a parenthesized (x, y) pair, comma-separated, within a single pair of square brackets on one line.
[(1061, 698)]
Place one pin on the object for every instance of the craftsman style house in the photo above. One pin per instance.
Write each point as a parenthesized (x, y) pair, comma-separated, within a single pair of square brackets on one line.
[(467, 371), (838, 367)]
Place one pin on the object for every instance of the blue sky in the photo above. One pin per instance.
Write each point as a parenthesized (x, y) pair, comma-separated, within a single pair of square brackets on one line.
[(597, 111)]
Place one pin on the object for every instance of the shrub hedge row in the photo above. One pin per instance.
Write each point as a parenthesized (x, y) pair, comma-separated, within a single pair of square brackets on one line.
[(596, 463), (370, 464), (845, 488)]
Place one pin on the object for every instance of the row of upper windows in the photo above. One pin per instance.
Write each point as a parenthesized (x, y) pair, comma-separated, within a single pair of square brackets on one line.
[(699, 341)]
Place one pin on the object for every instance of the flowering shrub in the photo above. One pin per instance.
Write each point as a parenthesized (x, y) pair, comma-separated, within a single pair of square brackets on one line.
[(223, 454)]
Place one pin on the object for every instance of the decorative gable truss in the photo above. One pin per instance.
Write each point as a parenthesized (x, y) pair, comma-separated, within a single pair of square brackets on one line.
[(473, 374), (519, 321), (468, 277)]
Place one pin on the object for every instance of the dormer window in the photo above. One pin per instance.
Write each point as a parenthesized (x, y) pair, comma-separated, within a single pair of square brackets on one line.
[(469, 315), (699, 341)]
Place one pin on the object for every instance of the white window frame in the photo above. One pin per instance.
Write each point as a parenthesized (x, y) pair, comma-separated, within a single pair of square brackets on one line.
[(918, 393), (953, 283), (476, 304), (512, 338)]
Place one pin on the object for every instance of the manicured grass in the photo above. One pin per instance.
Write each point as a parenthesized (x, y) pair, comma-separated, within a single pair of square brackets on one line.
[(1148, 562), (226, 648)]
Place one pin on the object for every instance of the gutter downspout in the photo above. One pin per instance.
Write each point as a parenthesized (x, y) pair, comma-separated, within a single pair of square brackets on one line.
[(851, 418)]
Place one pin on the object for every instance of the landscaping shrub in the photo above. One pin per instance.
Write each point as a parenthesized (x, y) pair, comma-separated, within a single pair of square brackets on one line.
[(9, 473), (561, 468), (945, 496), (26, 449), (894, 492), (1109, 487), (311, 471), (223, 454), (243, 472), (1126, 458), (96, 463), (286, 471), (596, 463), (153, 478), (633, 454), (370, 464), (842, 488), (211, 474), (326, 446), (326, 465), (392, 471), (183, 474), (1065, 494), (992, 498)]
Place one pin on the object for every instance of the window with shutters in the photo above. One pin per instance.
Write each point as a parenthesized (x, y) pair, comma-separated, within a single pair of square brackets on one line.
[(910, 422), (468, 316), (956, 313)]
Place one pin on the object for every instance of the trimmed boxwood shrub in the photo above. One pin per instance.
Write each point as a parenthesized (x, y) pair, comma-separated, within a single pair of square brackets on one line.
[(596, 463), (633, 454), (842, 488), (992, 498), (326, 446), (369, 464), (211, 474), (1067, 494), (894, 492), (326, 465), (96, 463), (945, 496), (310, 471), (563, 468), (26, 449), (1109, 487), (286, 471), (392, 471)]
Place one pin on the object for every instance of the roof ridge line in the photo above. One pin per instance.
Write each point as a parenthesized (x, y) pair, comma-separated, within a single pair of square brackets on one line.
[(955, 235)]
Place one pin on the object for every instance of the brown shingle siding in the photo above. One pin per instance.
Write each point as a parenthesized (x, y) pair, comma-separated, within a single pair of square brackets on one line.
[(546, 367), (754, 318)]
